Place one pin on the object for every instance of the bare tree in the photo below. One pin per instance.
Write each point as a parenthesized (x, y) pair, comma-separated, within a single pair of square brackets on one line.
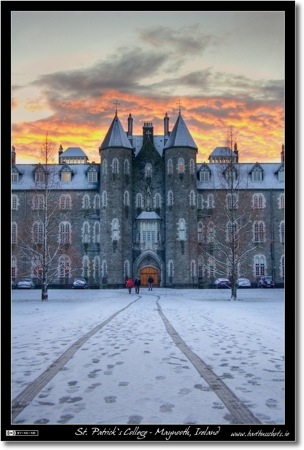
[(39, 242), (230, 241)]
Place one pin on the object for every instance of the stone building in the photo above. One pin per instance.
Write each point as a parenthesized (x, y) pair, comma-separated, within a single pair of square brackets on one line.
[(147, 208)]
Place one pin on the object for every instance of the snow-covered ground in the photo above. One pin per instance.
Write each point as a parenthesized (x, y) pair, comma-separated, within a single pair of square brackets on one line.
[(130, 370)]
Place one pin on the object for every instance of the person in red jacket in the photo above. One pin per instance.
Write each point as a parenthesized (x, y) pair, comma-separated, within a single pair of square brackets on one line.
[(129, 284)]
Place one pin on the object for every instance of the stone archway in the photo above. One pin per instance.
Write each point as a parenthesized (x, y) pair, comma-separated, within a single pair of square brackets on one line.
[(146, 272)]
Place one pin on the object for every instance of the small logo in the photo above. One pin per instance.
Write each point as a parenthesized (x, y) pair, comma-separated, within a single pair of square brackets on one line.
[(28, 433)]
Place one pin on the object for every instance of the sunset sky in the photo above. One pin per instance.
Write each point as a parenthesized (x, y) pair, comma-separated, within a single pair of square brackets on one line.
[(224, 69)]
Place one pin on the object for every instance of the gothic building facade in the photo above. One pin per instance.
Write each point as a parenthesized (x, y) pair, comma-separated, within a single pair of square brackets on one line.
[(148, 208)]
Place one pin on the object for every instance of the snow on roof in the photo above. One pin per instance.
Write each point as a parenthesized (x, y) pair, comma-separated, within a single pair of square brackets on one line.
[(73, 151), (221, 151), (158, 142), (148, 215), (79, 179), (116, 136), (180, 136)]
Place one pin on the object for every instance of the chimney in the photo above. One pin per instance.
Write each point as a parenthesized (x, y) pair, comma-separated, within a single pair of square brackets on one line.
[(148, 130), (283, 154), (236, 153), (166, 125), (60, 151), (130, 125), (13, 155)]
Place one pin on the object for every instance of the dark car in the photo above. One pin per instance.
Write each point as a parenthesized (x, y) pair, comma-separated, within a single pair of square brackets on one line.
[(80, 283), (222, 283), (266, 282)]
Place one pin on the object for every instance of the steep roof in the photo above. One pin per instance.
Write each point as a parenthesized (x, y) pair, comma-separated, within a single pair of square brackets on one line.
[(115, 137), (180, 135), (73, 151)]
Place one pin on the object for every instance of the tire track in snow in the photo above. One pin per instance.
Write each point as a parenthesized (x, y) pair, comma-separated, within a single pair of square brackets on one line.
[(29, 393), (240, 412)]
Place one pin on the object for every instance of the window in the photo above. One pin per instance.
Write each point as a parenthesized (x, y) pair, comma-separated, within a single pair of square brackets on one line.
[(85, 272), (96, 232), (15, 202), (281, 201), (200, 232), (104, 167), (204, 174), (139, 201), (193, 269), (210, 232), (126, 167), (86, 233), (36, 267), (230, 174), (65, 233), (232, 230), (104, 268), (181, 230), (259, 266), (104, 199), (38, 201), (86, 202), (115, 230), (64, 266), (200, 267), (126, 269), (14, 232), (192, 166), (148, 231), (170, 268), (96, 201), (259, 231), (281, 174), (92, 176), (170, 198), (38, 232), (169, 167), (192, 199), (40, 176), (65, 201), (211, 268), (157, 201), (15, 176), (14, 267), (282, 266), (115, 166), (232, 201), (257, 174), (282, 232), (126, 198), (181, 166), (96, 267), (210, 201), (258, 201), (200, 201), (148, 170), (65, 176)]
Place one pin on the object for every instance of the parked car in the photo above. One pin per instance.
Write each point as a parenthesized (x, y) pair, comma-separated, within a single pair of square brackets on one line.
[(80, 283), (243, 283), (266, 282), (25, 283), (222, 283)]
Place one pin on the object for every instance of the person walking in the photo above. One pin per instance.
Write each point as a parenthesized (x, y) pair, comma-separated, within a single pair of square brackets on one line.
[(130, 284), (150, 283), (137, 284)]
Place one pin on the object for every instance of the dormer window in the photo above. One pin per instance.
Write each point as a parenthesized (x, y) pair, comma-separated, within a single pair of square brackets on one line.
[(230, 173), (65, 174), (15, 175), (92, 174), (205, 174), (257, 174), (40, 175), (281, 174)]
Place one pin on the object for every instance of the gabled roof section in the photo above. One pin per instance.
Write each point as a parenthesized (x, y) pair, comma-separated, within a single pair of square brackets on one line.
[(280, 169), (115, 137), (148, 215), (256, 166), (73, 152), (180, 135), (65, 168)]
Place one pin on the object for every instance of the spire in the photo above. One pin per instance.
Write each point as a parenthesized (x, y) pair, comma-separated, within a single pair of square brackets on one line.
[(180, 135), (115, 137)]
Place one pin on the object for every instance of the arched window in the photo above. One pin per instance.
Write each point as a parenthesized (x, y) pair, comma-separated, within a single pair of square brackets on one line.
[(282, 232), (65, 201), (181, 230), (85, 267), (104, 268), (115, 230), (157, 201), (181, 166), (115, 166), (96, 231), (258, 201), (126, 167), (96, 201), (38, 201), (104, 167), (127, 269), (14, 267), (210, 201), (191, 166), (65, 233), (259, 266), (64, 266), (259, 231), (38, 233), (200, 201), (231, 201), (86, 233), (139, 201), (86, 204), (14, 232), (200, 266), (192, 199), (148, 170), (282, 267), (170, 268), (281, 201), (232, 230), (211, 267), (169, 167), (210, 232), (15, 202), (104, 199), (126, 198), (170, 198), (193, 268), (200, 231), (96, 267)]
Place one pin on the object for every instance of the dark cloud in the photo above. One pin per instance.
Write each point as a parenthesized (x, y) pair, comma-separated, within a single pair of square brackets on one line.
[(186, 41)]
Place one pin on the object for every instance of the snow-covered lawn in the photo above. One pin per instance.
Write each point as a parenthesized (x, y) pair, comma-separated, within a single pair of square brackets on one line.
[(131, 371)]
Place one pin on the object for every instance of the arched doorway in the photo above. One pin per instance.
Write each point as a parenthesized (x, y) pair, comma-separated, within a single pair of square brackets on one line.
[(146, 272)]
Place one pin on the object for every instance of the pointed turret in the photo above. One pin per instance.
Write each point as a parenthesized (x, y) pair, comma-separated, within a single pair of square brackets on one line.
[(115, 137), (180, 135)]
